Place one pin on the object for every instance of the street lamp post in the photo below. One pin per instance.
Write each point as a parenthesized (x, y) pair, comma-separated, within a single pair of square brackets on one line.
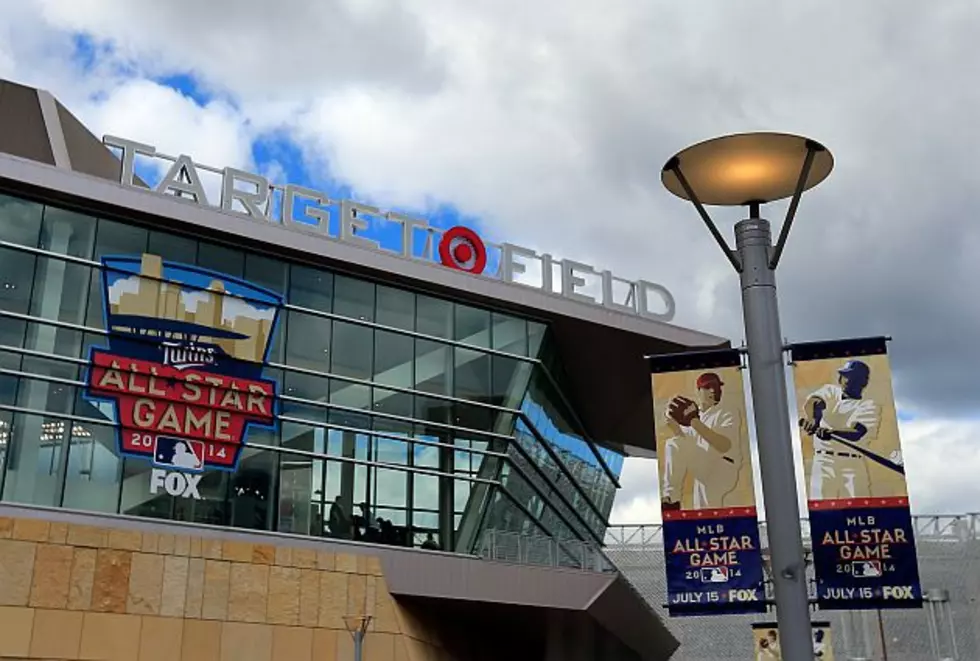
[(751, 169)]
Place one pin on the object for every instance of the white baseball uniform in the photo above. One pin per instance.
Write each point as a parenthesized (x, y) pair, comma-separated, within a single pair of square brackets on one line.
[(837, 471), (714, 474)]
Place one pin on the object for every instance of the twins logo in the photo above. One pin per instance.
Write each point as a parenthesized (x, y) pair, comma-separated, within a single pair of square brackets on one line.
[(183, 366)]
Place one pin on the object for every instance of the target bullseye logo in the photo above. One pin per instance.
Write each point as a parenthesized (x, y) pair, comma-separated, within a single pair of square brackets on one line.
[(462, 249)]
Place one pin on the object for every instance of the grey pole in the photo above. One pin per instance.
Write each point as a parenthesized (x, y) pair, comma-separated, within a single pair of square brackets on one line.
[(358, 645), (763, 338)]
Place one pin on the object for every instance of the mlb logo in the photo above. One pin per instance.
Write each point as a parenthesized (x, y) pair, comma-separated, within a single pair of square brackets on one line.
[(179, 453), (866, 569), (714, 574)]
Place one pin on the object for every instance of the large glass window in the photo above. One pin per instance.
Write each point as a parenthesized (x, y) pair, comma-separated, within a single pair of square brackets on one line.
[(382, 432)]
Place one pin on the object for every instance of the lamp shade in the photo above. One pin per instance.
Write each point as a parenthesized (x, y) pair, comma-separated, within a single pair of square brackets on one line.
[(735, 170)]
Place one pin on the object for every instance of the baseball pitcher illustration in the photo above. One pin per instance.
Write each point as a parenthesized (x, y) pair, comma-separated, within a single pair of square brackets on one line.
[(705, 446), (842, 421)]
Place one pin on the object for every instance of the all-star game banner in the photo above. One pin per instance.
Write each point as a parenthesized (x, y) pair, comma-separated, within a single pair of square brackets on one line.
[(861, 529), (765, 642), (711, 534), (182, 369)]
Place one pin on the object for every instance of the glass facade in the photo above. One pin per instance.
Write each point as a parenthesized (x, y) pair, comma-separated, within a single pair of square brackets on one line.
[(400, 418)]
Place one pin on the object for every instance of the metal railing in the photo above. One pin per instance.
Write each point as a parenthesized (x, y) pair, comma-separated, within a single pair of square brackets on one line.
[(947, 628), (519, 548)]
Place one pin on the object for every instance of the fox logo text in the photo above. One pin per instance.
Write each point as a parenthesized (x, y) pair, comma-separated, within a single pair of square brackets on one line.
[(173, 483)]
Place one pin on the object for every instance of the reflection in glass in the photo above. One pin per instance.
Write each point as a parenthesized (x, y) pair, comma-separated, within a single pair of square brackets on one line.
[(396, 308), (434, 317), (472, 326), (353, 298), (310, 288), (352, 351), (221, 259)]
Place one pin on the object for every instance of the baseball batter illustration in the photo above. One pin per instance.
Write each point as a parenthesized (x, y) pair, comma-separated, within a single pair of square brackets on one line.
[(842, 421), (704, 444)]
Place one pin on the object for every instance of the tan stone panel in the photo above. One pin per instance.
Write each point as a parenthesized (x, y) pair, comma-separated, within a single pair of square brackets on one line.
[(345, 646), (333, 600), (82, 579), (161, 638), (241, 641), (384, 609), (111, 585), (248, 591), (401, 649), (263, 554), (175, 574), (125, 540), (31, 530), (151, 542), (201, 641), (196, 547), (110, 637), (16, 624), (325, 644), (165, 544), (364, 564), (374, 566), (291, 644), (194, 600), (6, 527), (357, 594), (284, 556), (211, 548), (379, 647), (326, 561), (371, 596), (145, 584), (16, 571), (52, 576), (409, 625), (215, 603), (345, 562), (284, 596), (309, 597), (58, 533), (56, 634), (182, 545), (236, 551), (304, 558), (89, 536)]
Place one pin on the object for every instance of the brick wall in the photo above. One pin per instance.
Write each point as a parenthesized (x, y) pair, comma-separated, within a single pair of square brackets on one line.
[(73, 592)]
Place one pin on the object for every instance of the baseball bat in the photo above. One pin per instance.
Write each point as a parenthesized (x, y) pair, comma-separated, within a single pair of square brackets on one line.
[(878, 459)]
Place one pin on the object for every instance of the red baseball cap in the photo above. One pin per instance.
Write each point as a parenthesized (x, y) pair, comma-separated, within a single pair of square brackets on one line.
[(709, 380)]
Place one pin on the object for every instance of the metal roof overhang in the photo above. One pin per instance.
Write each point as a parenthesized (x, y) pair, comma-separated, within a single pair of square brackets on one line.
[(50, 156)]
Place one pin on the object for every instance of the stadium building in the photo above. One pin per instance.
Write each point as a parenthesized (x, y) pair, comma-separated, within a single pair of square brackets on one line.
[(241, 420)]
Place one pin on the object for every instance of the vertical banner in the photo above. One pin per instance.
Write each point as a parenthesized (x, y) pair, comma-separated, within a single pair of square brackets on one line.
[(711, 534), (860, 526), (765, 642)]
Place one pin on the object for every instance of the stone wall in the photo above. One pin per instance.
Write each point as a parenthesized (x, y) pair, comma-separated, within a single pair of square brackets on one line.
[(74, 592)]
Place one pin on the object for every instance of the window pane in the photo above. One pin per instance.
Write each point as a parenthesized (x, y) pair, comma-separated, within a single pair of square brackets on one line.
[(508, 380), (16, 279), (433, 367), (509, 334), (434, 316), (266, 272), (393, 403), (351, 395), (311, 288), (172, 248), (221, 259), (426, 492), (396, 307), (393, 359), (32, 465), (251, 497), (20, 221), (59, 292), (308, 387), (472, 326), (352, 350), (67, 232), (300, 494), (353, 298), (472, 375), (94, 469), (535, 336), (307, 341), (111, 238)]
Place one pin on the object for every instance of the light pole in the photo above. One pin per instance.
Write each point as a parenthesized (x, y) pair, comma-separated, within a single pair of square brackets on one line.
[(751, 169)]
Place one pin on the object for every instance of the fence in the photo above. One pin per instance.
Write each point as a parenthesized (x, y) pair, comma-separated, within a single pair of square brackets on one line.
[(946, 628)]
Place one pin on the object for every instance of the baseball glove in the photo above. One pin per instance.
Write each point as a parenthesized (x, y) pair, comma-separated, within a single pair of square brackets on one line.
[(682, 410)]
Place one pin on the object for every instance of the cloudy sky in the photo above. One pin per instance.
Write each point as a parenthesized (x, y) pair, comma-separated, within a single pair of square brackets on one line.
[(546, 123)]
